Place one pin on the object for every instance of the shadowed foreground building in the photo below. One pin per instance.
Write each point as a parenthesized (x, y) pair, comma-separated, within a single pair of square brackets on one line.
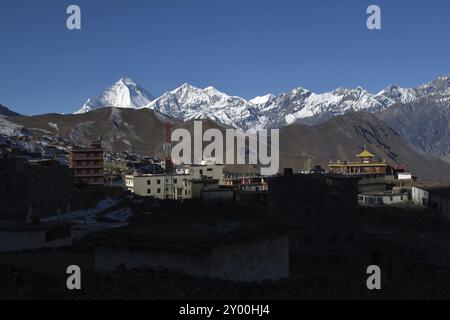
[(229, 250), (33, 189), (436, 198), (28, 236), (322, 207)]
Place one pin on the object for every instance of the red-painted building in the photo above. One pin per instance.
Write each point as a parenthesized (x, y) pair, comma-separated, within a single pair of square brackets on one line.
[(87, 164)]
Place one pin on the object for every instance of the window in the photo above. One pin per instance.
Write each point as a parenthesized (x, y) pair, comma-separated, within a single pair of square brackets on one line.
[(174, 180), (158, 181), (149, 191), (148, 182), (158, 191), (209, 169), (201, 171)]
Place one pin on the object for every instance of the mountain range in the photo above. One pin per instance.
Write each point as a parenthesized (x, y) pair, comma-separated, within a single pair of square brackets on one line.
[(420, 116), (270, 111), (393, 105), (142, 131)]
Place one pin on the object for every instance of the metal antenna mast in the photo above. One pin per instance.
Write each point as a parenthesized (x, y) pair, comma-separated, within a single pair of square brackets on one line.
[(169, 190)]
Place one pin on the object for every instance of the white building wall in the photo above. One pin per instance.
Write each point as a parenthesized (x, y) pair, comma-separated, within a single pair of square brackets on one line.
[(420, 197), (155, 185), (213, 171), (395, 199)]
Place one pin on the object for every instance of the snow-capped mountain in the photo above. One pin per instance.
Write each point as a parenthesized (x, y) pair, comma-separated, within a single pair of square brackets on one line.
[(303, 106), (188, 102), (125, 93), (261, 99), (299, 105)]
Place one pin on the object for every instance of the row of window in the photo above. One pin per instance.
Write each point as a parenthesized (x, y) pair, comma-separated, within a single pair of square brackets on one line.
[(149, 191), (88, 171), (88, 163), (175, 181)]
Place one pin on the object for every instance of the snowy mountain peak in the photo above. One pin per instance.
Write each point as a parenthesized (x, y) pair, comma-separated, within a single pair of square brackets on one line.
[(440, 85), (261, 99), (188, 102), (125, 93), (127, 81)]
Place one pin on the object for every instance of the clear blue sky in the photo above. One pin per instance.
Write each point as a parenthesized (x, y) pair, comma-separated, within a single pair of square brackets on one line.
[(241, 47)]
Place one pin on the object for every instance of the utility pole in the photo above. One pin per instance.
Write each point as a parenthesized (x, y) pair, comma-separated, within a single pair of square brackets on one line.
[(169, 191)]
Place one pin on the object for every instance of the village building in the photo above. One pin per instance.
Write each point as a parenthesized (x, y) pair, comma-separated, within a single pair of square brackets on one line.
[(246, 183), (323, 207), (16, 236), (33, 189), (186, 183), (382, 198), (435, 198), (88, 164), (371, 172), (158, 186), (217, 249), (206, 169)]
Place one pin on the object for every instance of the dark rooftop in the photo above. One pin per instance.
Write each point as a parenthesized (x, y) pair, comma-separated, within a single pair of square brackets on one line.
[(442, 190), (24, 226), (190, 235)]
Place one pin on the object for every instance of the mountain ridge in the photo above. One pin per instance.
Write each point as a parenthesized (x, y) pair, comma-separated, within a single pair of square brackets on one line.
[(269, 111), (142, 131)]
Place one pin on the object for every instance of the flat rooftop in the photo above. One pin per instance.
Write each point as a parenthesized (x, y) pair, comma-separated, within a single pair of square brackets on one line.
[(442, 190), (383, 193), (186, 235), (26, 226)]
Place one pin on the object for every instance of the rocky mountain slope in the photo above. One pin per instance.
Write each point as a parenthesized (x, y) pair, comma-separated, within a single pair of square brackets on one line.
[(142, 131), (4, 111), (424, 123), (342, 137)]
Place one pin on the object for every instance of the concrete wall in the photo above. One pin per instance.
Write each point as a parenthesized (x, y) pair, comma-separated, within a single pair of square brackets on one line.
[(218, 195), (381, 200), (371, 183), (441, 205), (213, 171), (109, 258), (326, 209), (11, 241), (395, 199), (438, 250), (253, 260), (420, 197)]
